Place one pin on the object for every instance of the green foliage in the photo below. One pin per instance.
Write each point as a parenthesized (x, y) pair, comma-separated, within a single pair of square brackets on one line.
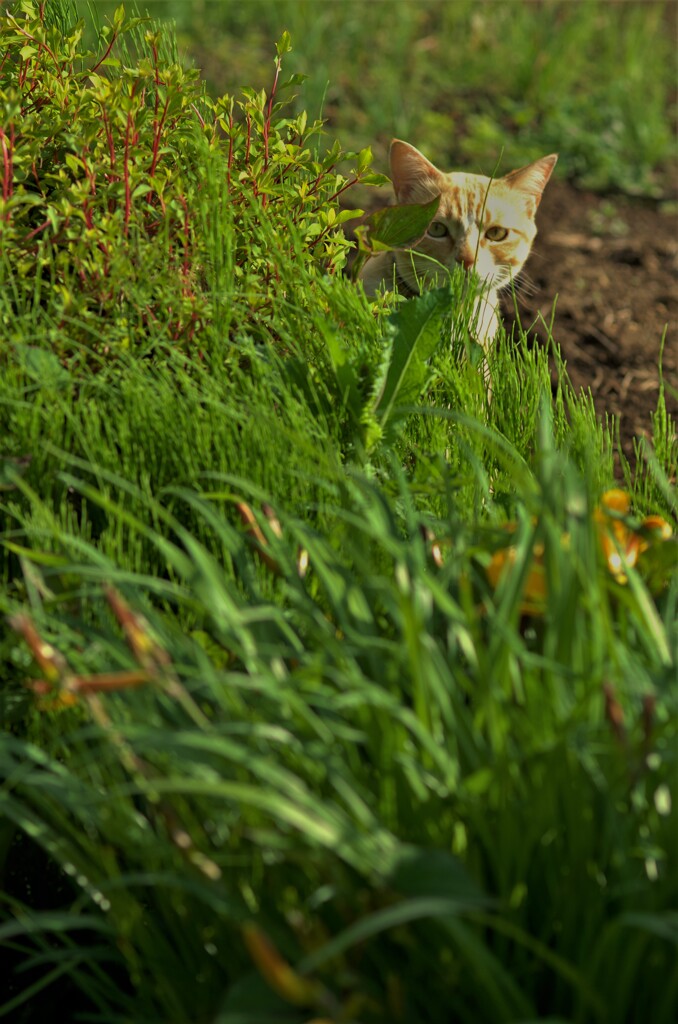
[(372, 762), (417, 335), (472, 80), (321, 700), (94, 149), (124, 143), (392, 227)]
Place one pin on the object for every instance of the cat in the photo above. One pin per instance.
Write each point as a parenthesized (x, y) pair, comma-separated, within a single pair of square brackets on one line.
[(482, 223)]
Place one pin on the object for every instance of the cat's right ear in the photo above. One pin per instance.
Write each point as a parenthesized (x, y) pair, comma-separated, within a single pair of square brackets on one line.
[(415, 179), (532, 180)]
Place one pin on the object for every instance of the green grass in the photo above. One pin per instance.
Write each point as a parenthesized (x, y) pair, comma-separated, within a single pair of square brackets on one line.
[(345, 771), (467, 82)]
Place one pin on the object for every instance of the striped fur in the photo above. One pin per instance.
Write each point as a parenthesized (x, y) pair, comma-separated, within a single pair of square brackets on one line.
[(481, 223)]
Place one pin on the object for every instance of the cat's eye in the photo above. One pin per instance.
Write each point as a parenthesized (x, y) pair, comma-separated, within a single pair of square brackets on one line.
[(496, 233), (437, 229)]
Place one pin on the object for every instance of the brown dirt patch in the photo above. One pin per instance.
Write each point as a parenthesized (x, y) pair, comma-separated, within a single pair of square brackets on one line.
[(610, 265)]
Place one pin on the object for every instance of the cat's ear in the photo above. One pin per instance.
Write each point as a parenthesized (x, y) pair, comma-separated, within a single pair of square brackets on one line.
[(531, 180), (415, 179)]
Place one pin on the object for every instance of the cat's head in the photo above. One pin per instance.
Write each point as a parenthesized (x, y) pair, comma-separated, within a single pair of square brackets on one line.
[(484, 223)]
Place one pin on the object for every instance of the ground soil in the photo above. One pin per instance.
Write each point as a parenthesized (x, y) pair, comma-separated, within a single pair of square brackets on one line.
[(610, 264)]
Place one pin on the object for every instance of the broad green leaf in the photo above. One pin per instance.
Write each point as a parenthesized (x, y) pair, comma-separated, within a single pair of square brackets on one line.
[(41, 365), (416, 326), (397, 226)]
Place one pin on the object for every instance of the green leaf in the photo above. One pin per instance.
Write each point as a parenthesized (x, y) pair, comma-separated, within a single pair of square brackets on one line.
[(284, 45), (296, 79), (347, 378), (417, 334), (364, 159), (41, 365), (397, 226), (375, 179), (345, 215)]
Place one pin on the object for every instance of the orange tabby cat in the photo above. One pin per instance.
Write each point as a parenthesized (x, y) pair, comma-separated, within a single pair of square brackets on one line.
[(481, 223)]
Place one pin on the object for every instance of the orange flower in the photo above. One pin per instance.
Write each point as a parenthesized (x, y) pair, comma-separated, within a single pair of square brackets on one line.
[(657, 528), (615, 500), (282, 978), (534, 591), (620, 543)]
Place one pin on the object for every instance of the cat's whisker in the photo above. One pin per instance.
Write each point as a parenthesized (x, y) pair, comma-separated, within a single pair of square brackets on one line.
[(524, 285)]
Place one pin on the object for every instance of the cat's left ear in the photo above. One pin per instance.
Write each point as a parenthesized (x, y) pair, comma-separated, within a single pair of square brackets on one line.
[(415, 179), (531, 180)]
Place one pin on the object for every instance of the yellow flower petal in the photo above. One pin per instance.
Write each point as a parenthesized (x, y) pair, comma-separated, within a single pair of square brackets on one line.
[(534, 591), (615, 500), (658, 527)]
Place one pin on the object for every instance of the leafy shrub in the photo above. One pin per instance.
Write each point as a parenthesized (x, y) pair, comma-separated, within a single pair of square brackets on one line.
[(110, 163)]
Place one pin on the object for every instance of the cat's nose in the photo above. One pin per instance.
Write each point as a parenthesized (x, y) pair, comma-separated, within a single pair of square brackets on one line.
[(466, 258)]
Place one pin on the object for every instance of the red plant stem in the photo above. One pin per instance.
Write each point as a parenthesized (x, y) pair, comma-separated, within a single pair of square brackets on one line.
[(89, 173), (36, 231), (28, 95), (108, 50), (349, 184), (248, 143), (185, 262), (157, 122), (40, 45), (156, 76), (157, 133), (109, 137), (7, 167), (51, 661), (614, 711), (230, 151), (125, 171), (315, 184), (198, 115), (269, 111), (154, 50), (107, 263), (105, 682)]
